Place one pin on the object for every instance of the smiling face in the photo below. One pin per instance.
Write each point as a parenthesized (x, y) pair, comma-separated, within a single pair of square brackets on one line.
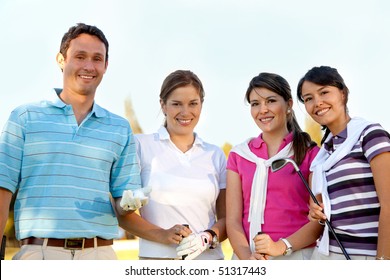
[(326, 105), (269, 110), (84, 65), (182, 109)]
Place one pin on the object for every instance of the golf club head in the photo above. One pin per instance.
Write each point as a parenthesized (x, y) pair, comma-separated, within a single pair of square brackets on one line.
[(280, 163)]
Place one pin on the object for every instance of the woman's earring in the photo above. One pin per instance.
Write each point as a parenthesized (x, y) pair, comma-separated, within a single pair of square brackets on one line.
[(288, 111)]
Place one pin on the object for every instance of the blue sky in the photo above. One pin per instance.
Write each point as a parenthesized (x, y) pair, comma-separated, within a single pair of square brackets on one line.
[(224, 42)]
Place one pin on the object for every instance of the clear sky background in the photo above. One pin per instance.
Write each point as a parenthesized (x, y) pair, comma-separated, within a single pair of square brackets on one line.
[(225, 42)]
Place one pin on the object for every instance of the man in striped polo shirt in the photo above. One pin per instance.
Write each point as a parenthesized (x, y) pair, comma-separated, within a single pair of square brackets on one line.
[(69, 160)]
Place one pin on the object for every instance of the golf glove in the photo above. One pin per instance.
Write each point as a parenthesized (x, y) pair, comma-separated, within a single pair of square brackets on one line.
[(193, 245), (133, 200)]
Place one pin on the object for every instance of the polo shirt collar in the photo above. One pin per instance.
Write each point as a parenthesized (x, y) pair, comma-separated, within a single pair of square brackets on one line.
[(164, 135), (259, 142), (57, 102), (336, 140), (342, 135)]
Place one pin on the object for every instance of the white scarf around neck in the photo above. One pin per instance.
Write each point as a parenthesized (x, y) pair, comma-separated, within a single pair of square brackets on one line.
[(324, 162), (259, 185)]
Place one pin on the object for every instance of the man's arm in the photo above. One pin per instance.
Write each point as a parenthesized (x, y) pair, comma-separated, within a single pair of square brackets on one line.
[(119, 210), (5, 201)]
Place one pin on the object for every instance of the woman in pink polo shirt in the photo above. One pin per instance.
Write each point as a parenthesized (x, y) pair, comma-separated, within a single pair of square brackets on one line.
[(274, 204)]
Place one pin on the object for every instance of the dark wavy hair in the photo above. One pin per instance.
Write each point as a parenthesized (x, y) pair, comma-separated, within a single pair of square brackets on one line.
[(324, 76), (302, 141)]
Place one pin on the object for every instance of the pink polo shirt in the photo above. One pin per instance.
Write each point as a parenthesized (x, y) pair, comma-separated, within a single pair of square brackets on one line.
[(286, 207)]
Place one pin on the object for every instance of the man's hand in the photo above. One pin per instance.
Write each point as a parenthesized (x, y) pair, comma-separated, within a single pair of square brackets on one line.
[(193, 245)]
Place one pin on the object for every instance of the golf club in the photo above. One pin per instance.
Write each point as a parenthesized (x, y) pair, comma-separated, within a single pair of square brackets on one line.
[(279, 164)]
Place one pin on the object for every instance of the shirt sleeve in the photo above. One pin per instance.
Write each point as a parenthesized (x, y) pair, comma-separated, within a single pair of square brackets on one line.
[(375, 140), (11, 150), (126, 170), (222, 170)]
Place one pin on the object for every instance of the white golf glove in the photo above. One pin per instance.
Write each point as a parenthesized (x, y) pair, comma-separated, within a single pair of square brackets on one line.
[(133, 200), (193, 245)]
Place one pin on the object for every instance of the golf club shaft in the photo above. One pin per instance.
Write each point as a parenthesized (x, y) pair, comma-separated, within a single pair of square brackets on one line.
[(326, 221)]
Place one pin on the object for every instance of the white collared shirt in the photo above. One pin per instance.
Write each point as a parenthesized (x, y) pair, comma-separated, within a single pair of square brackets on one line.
[(184, 188)]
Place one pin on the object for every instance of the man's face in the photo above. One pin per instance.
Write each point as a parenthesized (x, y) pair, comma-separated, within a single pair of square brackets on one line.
[(84, 65)]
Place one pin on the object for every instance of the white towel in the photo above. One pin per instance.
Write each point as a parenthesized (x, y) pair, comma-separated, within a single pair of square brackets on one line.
[(324, 162), (259, 185)]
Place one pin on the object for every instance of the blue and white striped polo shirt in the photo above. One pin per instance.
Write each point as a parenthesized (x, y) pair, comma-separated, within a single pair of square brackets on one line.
[(354, 201), (65, 173)]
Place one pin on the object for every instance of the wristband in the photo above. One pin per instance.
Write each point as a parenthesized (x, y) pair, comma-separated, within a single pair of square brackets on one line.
[(214, 239)]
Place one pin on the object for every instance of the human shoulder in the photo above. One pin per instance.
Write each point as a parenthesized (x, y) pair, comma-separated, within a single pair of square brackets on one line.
[(48, 101), (214, 152), (374, 141), (146, 137), (112, 120), (375, 129), (313, 150), (311, 154), (23, 110), (248, 145), (103, 112), (207, 146), (210, 146), (159, 135)]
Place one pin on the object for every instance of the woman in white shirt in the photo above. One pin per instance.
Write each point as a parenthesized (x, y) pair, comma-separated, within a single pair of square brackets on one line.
[(187, 179)]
